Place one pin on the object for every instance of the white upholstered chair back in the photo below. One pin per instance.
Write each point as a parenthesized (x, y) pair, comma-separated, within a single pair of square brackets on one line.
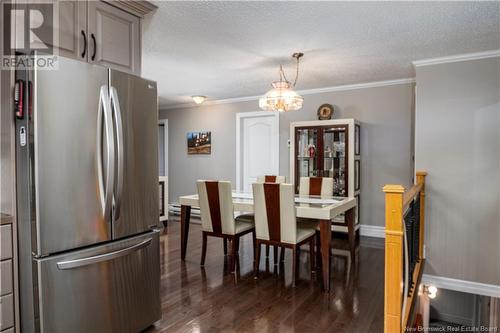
[(316, 186), (216, 206), (274, 211), (271, 179)]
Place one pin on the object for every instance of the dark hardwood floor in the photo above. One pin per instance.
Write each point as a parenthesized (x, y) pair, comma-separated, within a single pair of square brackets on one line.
[(196, 299)]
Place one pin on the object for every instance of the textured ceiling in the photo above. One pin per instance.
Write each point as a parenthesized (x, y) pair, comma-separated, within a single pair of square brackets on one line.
[(233, 49)]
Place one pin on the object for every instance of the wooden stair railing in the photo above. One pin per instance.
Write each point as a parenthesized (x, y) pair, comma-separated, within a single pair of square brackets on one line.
[(404, 257)]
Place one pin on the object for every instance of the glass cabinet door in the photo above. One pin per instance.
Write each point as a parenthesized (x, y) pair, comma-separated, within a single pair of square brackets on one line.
[(307, 152), (321, 152), (335, 158)]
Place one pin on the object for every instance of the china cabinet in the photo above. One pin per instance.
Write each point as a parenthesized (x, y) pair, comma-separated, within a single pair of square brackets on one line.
[(328, 148)]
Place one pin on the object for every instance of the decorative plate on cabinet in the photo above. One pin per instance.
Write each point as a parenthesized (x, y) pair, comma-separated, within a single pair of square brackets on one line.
[(325, 112)]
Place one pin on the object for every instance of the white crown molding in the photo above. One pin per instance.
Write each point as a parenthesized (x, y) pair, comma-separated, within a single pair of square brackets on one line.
[(302, 92), (470, 287), (137, 7), (357, 86), (371, 231), (457, 58)]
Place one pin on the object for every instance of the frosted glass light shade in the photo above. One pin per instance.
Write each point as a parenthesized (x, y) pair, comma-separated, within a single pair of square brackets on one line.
[(199, 99), (281, 98)]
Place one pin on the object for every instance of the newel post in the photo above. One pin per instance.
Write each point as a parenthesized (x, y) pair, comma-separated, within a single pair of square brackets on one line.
[(393, 258), (421, 180)]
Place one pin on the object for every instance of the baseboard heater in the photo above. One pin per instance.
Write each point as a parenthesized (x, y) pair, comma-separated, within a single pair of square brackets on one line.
[(175, 209)]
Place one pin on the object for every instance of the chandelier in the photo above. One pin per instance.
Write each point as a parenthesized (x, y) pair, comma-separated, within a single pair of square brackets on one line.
[(282, 97)]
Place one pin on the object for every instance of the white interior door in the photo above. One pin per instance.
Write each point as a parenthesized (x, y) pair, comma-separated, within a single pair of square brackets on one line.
[(258, 143)]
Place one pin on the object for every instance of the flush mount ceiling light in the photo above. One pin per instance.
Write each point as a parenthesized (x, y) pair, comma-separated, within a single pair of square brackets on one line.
[(199, 99), (282, 97)]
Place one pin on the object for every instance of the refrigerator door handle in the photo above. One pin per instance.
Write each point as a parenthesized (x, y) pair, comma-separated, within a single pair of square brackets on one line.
[(103, 257), (117, 112), (106, 181)]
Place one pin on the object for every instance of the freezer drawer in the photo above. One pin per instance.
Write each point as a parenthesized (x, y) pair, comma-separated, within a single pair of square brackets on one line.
[(109, 288)]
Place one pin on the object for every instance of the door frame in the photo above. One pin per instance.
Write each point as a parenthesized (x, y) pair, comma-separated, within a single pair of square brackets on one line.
[(255, 114), (164, 122), (164, 179)]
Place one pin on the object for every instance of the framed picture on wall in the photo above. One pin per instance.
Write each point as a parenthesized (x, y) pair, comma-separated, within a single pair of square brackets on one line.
[(199, 143), (357, 175), (357, 139)]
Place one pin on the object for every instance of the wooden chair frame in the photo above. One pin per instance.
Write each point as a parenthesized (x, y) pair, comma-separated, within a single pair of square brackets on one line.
[(235, 244), (295, 248)]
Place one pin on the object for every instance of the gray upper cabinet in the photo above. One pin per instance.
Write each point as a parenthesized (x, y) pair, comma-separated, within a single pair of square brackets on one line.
[(72, 29), (99, 32), (114, 37)]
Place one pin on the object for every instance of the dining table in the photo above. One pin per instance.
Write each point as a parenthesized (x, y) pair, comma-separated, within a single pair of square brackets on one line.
[(321, 208)]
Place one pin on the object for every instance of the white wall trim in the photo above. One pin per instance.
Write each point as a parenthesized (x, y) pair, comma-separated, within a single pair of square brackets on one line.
[(164, 122), (372, 231), (355, 86), (239, 117), (470, 287), (451, 318), (457, 58)]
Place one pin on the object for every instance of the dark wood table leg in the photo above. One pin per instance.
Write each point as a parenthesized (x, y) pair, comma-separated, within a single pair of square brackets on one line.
[(185, 217), (350, 220), (325, 230)]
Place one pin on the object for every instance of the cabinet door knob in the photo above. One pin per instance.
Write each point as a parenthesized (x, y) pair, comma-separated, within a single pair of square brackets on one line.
[(84, 44), (95, 46)]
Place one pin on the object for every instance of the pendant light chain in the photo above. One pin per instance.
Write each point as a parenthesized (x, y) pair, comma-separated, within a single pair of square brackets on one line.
[(282, 72)]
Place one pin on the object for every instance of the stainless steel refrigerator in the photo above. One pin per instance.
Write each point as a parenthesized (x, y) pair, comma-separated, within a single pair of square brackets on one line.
[(87, 199)]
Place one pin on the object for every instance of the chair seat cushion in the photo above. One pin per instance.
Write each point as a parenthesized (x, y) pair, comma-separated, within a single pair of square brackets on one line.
[(245, 218), (242, 226), (303, 233), (307, 223)]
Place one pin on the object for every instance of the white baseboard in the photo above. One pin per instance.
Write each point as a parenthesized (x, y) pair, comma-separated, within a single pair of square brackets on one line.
[(470, 287), (450, 318), (372, 231)]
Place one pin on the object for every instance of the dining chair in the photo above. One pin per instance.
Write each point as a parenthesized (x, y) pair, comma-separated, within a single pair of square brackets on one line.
[(277, 180), (320, 186), (271, 179), (316, 186), (276, 224), (218, 220)]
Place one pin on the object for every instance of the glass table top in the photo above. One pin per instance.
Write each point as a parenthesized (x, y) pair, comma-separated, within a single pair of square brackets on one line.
[(300, 200)]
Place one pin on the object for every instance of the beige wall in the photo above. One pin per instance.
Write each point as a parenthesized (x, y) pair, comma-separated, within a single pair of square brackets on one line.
[(385, 114), (458, 143)]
